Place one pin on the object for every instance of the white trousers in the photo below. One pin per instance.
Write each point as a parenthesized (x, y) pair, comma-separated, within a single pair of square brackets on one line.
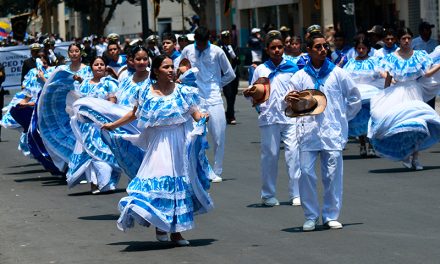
[(217, 130), (271, 135), (332, 180)]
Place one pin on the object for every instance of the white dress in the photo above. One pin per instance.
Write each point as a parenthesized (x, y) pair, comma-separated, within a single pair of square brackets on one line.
[(401, 122), (172, 179), (365, 73)]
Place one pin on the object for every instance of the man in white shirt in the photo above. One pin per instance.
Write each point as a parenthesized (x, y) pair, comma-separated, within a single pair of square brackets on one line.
[(275, 126), (325, 134), (424, 41), (390, 46), (215, 72)]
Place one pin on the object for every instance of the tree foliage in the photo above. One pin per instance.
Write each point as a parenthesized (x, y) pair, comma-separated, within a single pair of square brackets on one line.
[(99, 11), (198, 6), (15, 7)]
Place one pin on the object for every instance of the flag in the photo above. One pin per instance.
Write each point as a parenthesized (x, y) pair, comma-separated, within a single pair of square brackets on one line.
[(156, 4), (19, 26), (5, 28), (228, 6)]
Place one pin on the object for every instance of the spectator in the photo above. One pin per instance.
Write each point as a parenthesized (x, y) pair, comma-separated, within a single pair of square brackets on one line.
[(390, 46), (215, 72), (101, 45), (169, 48), (30, 63), (339, 55), (255, 45), (89, 51), (424, 41), (49, 50), (231, 89), (183, 41)]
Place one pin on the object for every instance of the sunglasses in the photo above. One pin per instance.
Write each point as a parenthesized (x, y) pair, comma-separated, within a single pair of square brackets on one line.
[(320, 47)]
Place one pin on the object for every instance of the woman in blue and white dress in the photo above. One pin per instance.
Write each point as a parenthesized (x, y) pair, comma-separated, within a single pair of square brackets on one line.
[(170, 184), (101, 111), (22, 105), (401, 122), (33, 84), (92, 160), (435, 55), (80, 70), (364, 70), (52, 119)]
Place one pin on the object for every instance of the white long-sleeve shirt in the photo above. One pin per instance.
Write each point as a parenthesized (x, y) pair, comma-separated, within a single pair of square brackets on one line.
[(272, 111), (328, 130), (211, 62)]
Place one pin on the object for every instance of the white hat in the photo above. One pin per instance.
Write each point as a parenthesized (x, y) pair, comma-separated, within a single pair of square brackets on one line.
[(255, 30), (190, 37)]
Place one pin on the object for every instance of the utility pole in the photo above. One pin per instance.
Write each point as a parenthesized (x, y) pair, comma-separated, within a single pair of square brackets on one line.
[(183, 19), (145, 27)]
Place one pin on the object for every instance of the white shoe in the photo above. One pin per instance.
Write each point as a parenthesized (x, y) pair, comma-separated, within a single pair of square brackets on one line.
[(407, 163), (371, 152), (217, 179), (272, 201), (296, 201), (363, 151), (162, 236), (416, 165), (333, 224), (83, 182), (310, 225), (181, 242)]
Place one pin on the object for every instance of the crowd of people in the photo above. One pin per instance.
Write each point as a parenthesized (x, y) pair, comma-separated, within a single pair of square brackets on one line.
[(145, 108)]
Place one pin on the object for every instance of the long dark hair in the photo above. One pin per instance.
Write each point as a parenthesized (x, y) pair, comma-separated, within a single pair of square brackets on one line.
[(136, 49), (78, 45), (95, 58), (403, 31), (155, 65), (362, 40)]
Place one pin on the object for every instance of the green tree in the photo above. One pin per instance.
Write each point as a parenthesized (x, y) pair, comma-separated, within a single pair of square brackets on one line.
[(99, 11), (15, 7), (199, 7)]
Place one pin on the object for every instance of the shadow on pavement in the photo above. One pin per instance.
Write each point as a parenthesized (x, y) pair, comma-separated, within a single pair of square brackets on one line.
[(112, 217), (299, 229), (102, 193), (25, 165), (358, 157), (38, 179), (400, 170), (134, 246), (26, 172), (261, 205), (258, 205)]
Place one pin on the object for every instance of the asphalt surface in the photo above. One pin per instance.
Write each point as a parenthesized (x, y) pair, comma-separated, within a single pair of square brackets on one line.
[(390, 214)]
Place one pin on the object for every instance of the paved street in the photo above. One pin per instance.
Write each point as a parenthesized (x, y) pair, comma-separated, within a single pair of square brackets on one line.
[(390, 214)]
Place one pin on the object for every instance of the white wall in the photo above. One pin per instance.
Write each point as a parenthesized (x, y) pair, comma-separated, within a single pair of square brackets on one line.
[(127, 18)]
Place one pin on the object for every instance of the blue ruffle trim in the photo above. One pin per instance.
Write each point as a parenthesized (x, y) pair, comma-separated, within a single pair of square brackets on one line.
[(92, 142), (129, 157), (77, 166), (162, 202), (54, 121), (409, 69), (358, 126), (405, 139), (167, 110)]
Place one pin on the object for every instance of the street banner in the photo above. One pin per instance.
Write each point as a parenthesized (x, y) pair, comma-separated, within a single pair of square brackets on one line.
[(12, 59)]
